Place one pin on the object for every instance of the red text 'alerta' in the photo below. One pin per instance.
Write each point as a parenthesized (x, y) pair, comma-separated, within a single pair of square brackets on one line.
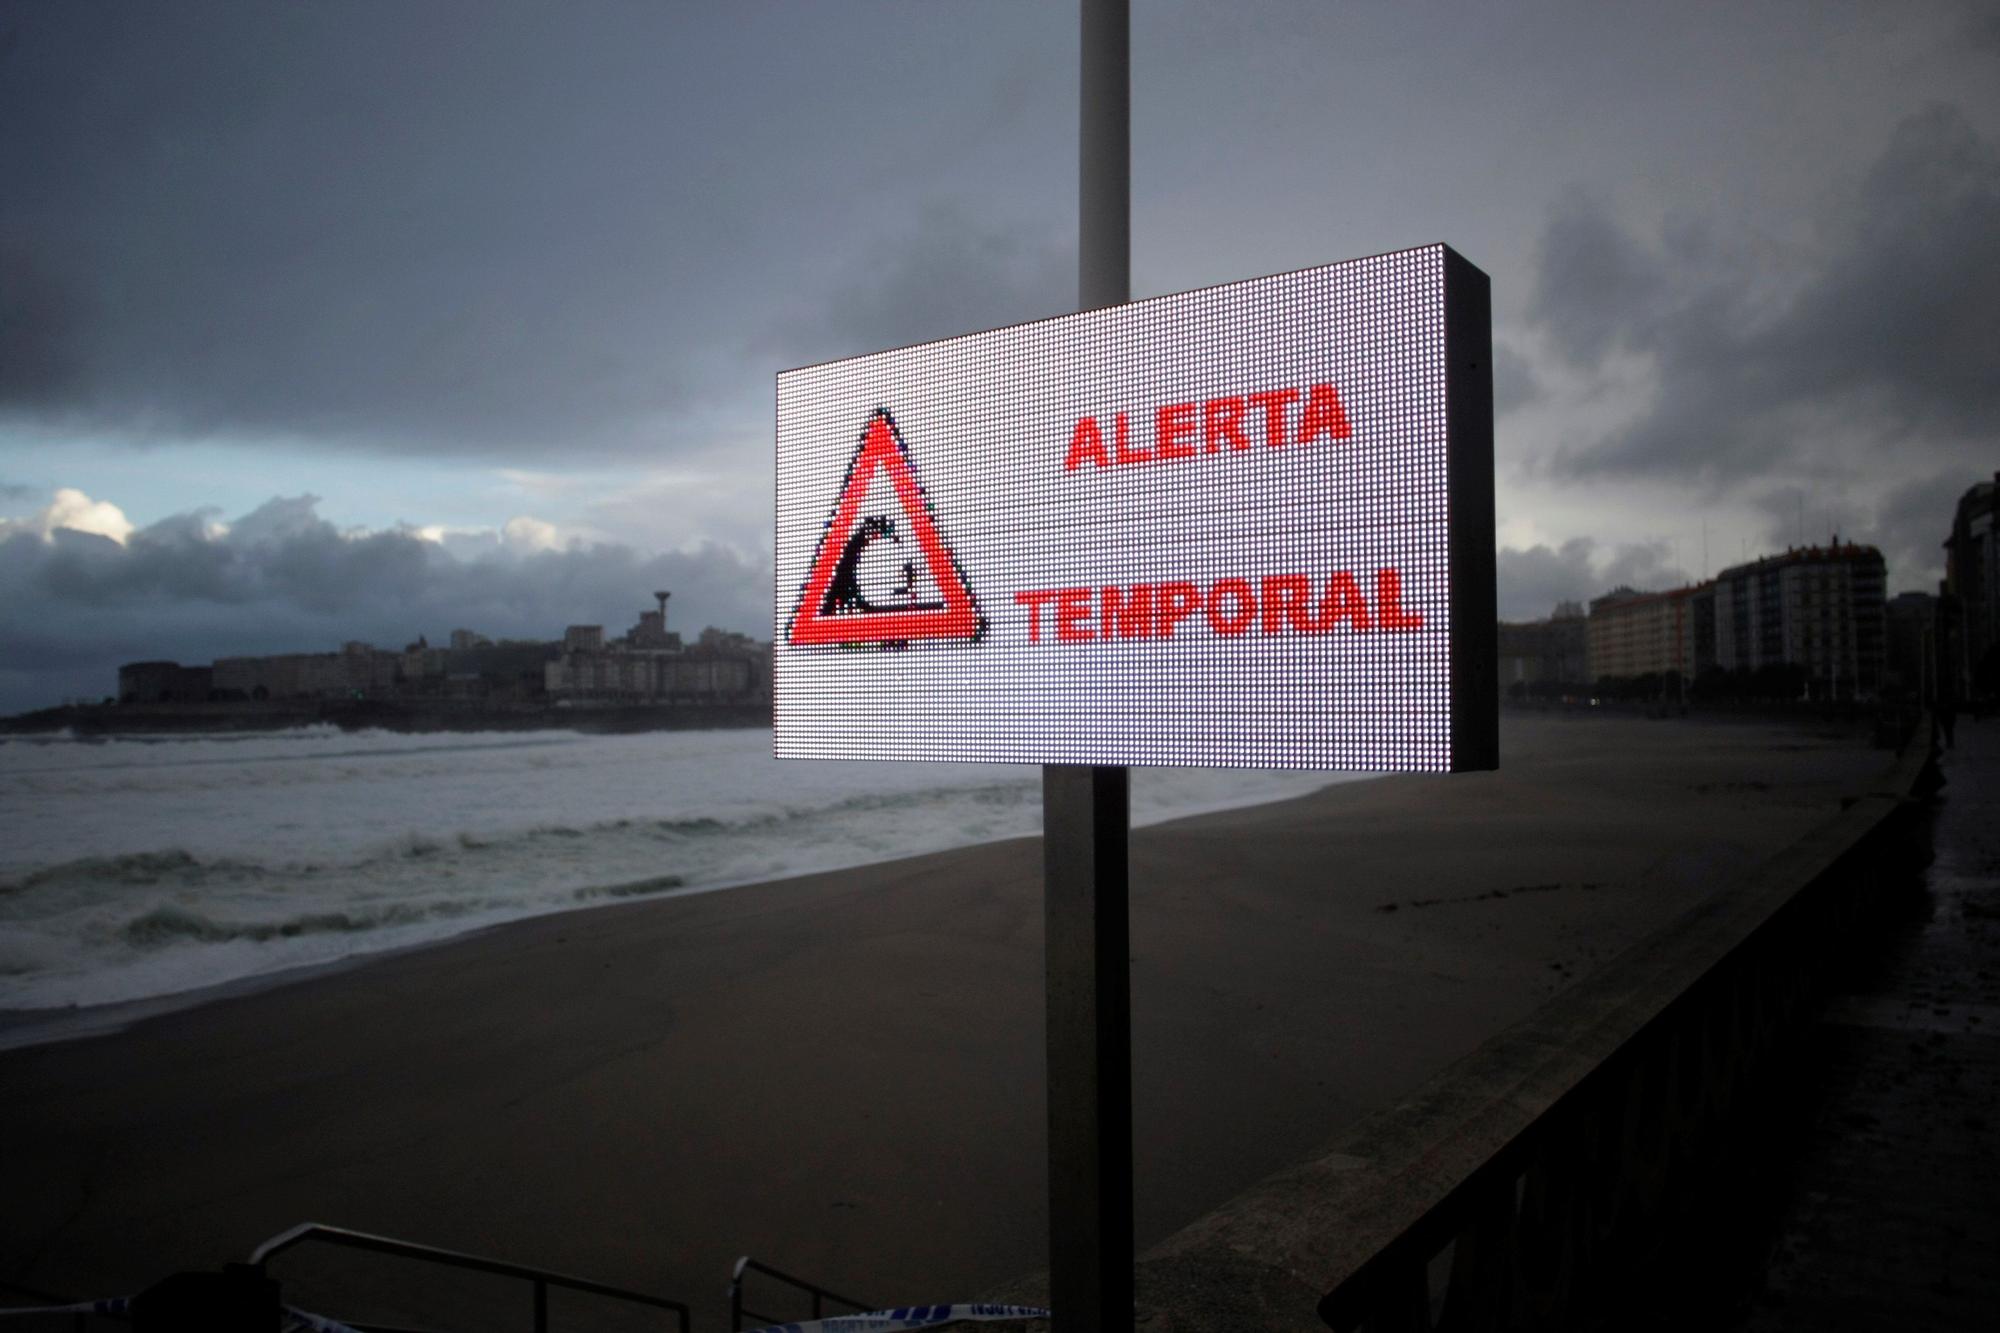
[(1274, 604), (1183, 430)]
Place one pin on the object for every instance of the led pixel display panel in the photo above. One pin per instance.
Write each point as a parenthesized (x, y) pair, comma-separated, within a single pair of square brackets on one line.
[(1250, 525)]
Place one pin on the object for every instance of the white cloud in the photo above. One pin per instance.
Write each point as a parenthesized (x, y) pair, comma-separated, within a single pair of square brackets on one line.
[(531, 534), (71, 509), (281, 578)]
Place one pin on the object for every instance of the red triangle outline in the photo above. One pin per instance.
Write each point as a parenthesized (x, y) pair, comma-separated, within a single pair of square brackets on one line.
[(882, 446)]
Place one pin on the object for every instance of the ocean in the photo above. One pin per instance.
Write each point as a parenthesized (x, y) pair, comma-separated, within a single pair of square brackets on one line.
[(139, 868)]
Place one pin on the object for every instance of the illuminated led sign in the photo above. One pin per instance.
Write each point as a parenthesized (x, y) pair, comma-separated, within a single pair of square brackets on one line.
[(1247, 525)]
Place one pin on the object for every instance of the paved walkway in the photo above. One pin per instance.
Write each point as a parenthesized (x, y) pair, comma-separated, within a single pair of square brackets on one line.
[(1895, 1221)]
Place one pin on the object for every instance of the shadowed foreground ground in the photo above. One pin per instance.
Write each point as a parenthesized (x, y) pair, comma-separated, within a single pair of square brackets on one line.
[(842, 1073)]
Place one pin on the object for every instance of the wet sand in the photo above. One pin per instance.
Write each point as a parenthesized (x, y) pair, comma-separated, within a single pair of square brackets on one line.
[(841, 1073)]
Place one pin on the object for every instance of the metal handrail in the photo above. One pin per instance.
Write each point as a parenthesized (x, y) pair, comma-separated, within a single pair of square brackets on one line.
[(541, 1278), (820, 1295)]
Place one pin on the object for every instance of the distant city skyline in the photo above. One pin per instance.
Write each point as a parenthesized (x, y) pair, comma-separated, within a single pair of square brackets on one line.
[(346, 321)]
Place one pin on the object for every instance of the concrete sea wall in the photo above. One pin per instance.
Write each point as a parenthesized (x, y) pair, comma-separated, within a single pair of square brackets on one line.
[(1562, 1167)]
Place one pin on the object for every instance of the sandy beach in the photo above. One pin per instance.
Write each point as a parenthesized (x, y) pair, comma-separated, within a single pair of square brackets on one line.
[(841, 1073)]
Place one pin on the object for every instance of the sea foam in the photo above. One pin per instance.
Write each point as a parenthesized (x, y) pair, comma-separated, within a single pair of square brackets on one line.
[(142, 868)]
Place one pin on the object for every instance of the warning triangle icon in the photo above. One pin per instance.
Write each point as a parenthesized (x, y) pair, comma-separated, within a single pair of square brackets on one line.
[(840, 605)]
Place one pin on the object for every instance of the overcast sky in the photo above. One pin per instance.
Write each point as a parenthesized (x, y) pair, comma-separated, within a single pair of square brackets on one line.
[(337, 320)]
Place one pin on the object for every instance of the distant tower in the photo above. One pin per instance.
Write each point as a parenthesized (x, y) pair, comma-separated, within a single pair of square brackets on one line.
[(663, 609)]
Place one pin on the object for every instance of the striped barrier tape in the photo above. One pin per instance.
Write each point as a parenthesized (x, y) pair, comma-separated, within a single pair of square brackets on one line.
[(909, 1316)]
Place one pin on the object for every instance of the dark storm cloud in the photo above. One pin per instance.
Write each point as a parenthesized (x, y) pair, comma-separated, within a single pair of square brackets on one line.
[(1598, 290), (1919, 513), (1907, 521), (1982, 30), (282, 579), (944, 274), (1533, 579), (35, 365), (1888, 340), (449, 227), (1515, 383), (296, 219)]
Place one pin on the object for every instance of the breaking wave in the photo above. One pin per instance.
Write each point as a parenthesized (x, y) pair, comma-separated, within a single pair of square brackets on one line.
[(164, 926), (147, 869)]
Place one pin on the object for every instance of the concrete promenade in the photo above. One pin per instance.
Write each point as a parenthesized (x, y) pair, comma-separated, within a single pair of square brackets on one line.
[(1894, 1215)]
